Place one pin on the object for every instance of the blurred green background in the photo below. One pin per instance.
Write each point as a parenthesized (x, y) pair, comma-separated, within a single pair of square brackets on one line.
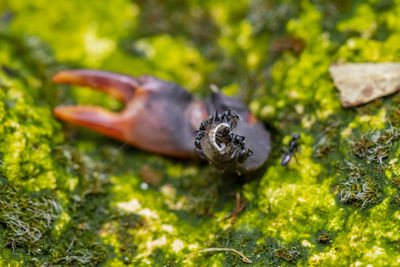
[(72, 197)]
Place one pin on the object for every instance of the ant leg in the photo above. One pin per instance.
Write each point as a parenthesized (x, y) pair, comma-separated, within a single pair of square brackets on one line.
[(295, 151)]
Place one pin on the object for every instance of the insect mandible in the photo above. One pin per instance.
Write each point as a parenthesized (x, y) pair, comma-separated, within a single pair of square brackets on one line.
[(163, 118)]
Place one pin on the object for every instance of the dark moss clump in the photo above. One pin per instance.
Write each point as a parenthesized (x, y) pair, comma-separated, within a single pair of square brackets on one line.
[(271, 252), (185, 19), (271, 16), (76, 248), (288, 254), (279, 253), (361, 147), (358, 188), (245, 242), (394, 116), (324, 148), (89, 209), (127, 223), (203, 195), (167, 259), (396, 200), (396, 182), (92, 174), (26, 217), (150, 176), (323, 237), (326, 144), (376, 145)]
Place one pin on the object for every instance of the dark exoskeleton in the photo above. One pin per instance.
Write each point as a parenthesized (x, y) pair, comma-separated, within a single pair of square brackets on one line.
[(216, 142), (293, 147), (161, 117)]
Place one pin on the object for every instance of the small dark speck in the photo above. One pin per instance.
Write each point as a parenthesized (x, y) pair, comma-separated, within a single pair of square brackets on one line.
[(9, 72)]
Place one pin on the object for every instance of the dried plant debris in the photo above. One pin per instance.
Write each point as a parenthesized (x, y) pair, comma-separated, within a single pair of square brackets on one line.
[(288, 43), (243, 257), (376, 145), (396, 182), (360, 83), (358, 188), (26, 217), (280, 254), (396, 199), (327, 140), (287, 254), (324, 238)]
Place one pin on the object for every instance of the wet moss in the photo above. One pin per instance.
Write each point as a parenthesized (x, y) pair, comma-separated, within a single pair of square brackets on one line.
[(376, 145), (324, 237), (359, 188), (120, 206), (396, 182), (284, 254), (396, 200), (289, 255), (26, 218)]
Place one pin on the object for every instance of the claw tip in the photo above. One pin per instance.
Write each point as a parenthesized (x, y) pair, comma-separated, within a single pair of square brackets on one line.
[(61, 77)]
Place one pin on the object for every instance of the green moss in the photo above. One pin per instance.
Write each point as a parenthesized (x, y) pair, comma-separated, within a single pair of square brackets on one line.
[(324, 237), (358, 188), (287, 254), (376, 145), (336, 203), (26, 218)]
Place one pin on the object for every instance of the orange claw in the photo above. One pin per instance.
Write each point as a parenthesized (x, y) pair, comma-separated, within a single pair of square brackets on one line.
[(159, 116), (117, 85), (150, 120)]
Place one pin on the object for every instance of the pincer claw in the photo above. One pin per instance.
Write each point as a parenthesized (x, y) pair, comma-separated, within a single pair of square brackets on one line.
[(152, 117), (162, 117), (116, 85)]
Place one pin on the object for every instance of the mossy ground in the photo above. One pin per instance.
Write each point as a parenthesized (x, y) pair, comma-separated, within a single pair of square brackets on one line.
[(72, 197)]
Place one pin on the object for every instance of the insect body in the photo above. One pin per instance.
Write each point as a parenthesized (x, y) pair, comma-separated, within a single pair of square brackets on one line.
[(161, 117), (293, 147), (216, 142)]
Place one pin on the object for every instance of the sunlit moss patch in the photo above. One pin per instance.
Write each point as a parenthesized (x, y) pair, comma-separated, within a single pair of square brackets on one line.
[(74, 197)]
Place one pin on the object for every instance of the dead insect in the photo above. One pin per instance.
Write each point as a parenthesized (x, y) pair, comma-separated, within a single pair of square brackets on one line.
[(293, 147), (217, 142), (161, 117)]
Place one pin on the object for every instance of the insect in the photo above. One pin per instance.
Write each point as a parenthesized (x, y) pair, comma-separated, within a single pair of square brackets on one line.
[(293, 147), (217, 142), (161, 117)]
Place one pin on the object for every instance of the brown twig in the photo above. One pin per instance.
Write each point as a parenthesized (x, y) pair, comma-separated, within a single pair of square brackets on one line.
[(238, 209), (244, 258)]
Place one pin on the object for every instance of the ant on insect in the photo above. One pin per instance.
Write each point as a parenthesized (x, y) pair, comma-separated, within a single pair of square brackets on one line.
[(293, 147)]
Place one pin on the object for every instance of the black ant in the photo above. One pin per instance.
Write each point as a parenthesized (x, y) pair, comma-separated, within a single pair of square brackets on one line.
[(293, 147)]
